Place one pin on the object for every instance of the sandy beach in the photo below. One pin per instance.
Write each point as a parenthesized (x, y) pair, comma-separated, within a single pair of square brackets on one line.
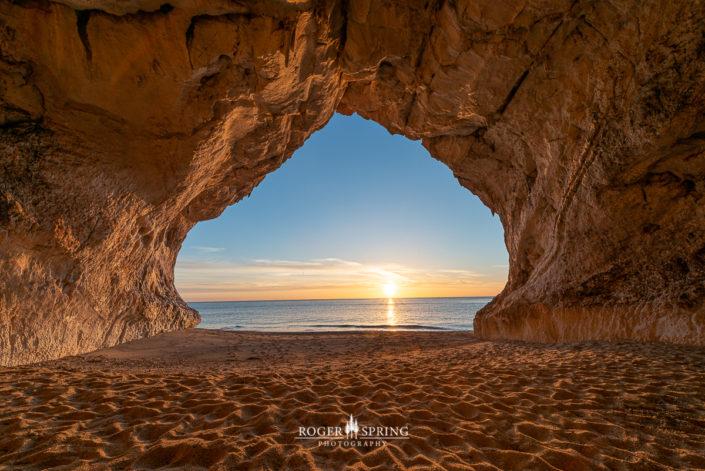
[(205, 399)]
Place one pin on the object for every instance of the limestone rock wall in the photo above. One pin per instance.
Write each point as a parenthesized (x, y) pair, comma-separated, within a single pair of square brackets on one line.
[(123, 124)]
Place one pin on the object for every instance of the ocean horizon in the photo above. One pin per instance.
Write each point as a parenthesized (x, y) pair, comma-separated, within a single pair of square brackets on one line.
[(312, 315)]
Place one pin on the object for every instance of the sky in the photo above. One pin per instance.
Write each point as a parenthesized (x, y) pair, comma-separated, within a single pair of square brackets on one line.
[(355, 213)]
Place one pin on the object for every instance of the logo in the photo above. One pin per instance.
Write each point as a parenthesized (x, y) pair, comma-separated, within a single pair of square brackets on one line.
[(351, 427), (352, 434)]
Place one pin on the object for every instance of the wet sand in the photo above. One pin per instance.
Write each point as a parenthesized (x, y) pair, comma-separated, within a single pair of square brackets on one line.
[(200, 399)]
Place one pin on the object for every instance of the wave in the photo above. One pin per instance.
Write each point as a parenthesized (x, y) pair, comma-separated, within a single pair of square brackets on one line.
[(376, 326)]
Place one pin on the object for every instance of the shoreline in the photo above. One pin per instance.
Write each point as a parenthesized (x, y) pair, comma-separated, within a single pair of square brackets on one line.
[(341, 314), (344, 328), (380, 298), (209, 399)]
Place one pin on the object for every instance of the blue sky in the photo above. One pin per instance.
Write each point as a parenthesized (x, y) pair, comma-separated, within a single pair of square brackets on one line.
[(354, 209)]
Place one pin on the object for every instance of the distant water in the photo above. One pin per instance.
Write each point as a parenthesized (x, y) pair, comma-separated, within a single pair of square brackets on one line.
[(341, 314)]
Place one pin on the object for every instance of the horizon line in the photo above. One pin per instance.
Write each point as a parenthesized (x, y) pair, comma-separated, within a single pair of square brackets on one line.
[(340, 299)]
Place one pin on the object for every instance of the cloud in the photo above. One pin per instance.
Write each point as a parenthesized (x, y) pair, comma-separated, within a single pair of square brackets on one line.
[(311, 264), (325, 268), (214, 279), (337, 261), (208, 249), (461, 273)]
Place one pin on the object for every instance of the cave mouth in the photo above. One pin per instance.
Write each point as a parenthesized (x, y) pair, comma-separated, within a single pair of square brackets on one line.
[(356, 214), (580, 125)]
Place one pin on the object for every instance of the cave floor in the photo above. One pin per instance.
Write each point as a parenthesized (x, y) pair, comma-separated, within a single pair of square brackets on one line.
[(203, 399)]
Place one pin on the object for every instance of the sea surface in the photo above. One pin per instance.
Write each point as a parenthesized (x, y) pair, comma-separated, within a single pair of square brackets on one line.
[(341, 314)]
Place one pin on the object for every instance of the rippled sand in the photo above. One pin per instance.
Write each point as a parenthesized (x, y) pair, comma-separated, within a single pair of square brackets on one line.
[(223, 400)]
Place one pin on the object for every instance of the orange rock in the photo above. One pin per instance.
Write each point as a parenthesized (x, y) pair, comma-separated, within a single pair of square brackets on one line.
[(125, 123)]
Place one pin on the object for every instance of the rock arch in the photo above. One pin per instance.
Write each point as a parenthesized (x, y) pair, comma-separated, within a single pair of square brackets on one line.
[(123, 124)]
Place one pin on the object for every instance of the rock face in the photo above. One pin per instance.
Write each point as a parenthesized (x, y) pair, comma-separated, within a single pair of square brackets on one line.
[(124, 123)]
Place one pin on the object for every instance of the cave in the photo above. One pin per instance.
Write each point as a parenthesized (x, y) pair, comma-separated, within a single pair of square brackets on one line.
[(123, 124), (355, 213)]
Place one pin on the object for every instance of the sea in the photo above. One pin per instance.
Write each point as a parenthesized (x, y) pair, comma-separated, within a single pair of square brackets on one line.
[(341, 314)]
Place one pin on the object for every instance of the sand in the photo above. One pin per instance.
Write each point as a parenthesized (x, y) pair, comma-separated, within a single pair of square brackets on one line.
[(200, 399)]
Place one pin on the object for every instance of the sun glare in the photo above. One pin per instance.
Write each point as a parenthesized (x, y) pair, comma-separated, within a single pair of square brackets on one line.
[(390, 289)]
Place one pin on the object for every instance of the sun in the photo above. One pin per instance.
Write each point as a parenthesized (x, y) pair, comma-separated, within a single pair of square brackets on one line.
[(390, 289)]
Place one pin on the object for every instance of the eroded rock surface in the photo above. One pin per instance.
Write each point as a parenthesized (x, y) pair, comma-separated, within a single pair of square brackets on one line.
[(124, 123)]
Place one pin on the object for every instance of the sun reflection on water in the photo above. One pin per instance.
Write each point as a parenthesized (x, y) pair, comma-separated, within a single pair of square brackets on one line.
[(391, 318)]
